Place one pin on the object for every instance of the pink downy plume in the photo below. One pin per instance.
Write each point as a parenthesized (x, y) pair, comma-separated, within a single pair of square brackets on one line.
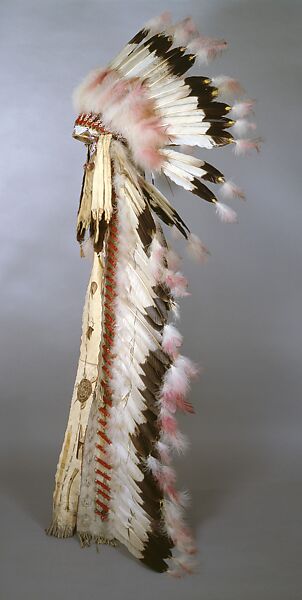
[(231, 190), (179, 532), (166, 477), (163, 450), (159, 23), (172, 492), (97, 77), (171, 341), (205, 48), (148, 138), (169, 425), (183, 538), (243, 126), (176, 385), (242, 109), (196, 249), (183, 565), (177, 283), (225, 213), (243, 146), (188, 366), (184, 405), (177, 401), (227, 85), (178, 441), (132, 113), (183, 31)]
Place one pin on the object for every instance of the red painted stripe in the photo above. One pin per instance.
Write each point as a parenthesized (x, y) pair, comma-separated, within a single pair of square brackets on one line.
[(107, 356), (103, 517), (103, 485), (101, 448), (104, 495), (103, 463), (104, 437), (104, 475), (102, 505)]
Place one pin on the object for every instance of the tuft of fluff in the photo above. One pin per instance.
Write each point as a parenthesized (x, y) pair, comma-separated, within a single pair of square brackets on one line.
[(183, 562), (225, 213), (177, 283), (159, 23), (171, 340), (242, 109), (243, 126), (153, 464), (169, 425), (231, 190), (182, 565), (243, 146), (183, 31), (176, 383), (227, 85), (176, 386), (184, 498), (206, 48), (166, 477), (187, 365), (180, 442), (196, 249), (164, 451)]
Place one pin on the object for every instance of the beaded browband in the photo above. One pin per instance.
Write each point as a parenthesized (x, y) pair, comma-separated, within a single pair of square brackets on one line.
[(88, 127)]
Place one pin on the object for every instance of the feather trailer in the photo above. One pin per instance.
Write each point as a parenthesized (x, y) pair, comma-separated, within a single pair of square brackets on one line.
[(115, 480)]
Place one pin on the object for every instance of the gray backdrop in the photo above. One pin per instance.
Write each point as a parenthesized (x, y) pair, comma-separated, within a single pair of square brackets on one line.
[(242, 322)]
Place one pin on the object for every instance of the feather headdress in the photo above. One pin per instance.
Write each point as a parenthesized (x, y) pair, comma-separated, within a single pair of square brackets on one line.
[(115, 482)]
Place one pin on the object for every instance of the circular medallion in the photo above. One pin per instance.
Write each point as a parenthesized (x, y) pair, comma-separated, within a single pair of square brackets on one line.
[(84, 390)]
